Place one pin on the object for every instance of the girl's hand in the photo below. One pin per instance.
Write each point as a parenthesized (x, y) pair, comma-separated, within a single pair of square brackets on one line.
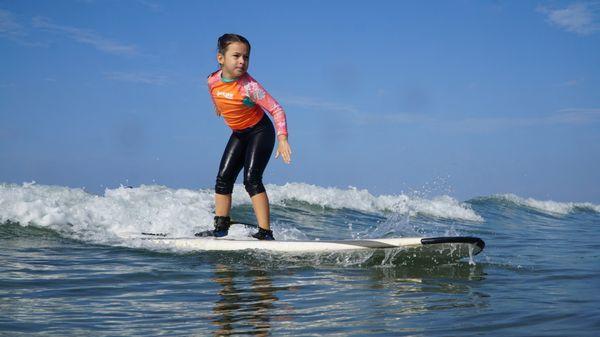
[(283, 149)]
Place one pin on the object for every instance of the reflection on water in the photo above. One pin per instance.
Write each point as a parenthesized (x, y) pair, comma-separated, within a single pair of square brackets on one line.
[(417, 290), (124, 292), (258, 301), (242, 307), (114, 291)]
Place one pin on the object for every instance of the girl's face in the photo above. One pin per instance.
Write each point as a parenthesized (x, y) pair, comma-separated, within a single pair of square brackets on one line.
[(235, 61)]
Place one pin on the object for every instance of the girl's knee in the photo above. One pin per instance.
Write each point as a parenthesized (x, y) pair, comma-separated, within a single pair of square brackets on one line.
[(223, 185), (254, 187)]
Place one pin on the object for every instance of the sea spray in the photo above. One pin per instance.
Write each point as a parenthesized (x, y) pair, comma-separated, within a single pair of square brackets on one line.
[(362, 200), (152, 208), (549, 207)]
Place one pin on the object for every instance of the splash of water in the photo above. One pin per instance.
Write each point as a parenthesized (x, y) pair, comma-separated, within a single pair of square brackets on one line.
[(549, 207)]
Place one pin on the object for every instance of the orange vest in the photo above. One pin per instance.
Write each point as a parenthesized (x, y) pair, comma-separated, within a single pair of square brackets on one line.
[(242, 102)]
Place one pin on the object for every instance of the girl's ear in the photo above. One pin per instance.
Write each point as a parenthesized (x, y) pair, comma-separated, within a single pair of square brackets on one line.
[(220, 59)]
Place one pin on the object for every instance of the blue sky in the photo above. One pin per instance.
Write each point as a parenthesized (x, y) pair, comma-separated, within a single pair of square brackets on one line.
[(467, 98)]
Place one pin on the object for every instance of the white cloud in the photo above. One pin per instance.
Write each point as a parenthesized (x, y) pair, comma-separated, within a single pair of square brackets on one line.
[(153, 6), (137, 78), (9, 25), (394, 118), (572, 83), (487, 124), (571, 116), (312, 103), (11, 29), (7, 85), (86, 36), (576, 116), (579, 18)]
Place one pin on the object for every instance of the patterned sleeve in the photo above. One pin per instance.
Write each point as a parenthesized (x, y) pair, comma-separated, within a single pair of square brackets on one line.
[(212, 78), (260, 96)]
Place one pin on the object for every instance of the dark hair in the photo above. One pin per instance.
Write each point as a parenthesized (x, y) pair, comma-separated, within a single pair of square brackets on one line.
[(226, 39)]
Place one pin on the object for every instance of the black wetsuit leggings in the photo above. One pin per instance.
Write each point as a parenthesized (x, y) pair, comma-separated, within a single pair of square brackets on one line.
[(251, 149)]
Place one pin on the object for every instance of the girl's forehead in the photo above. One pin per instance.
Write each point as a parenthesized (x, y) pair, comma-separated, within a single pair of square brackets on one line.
[(238, 47)]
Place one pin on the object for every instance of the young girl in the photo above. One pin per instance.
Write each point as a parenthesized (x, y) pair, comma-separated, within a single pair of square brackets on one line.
[(241, 101)]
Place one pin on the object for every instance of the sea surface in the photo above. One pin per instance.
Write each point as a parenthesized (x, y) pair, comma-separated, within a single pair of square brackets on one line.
[(71, 265)]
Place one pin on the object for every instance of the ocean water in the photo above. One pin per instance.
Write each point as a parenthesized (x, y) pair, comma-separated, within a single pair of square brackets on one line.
[(69, 265)]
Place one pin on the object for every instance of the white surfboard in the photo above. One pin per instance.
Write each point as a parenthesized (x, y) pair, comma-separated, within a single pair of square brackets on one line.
[(459, 246)]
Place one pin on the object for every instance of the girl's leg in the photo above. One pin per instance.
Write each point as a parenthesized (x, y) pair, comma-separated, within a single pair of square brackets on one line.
[(258, 153), (260, 203), (222, 204), (231, 164)]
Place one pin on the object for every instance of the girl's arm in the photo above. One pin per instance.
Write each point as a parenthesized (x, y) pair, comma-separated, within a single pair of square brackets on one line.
[(260, 96), (212, 78)]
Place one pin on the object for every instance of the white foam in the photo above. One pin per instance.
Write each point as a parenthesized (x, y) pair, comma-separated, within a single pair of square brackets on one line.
[(549, 206), (361, 200), (120, 212), (106, 218)]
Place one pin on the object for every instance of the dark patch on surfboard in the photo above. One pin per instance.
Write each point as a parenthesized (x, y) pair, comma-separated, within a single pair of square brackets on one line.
[(454, 239)]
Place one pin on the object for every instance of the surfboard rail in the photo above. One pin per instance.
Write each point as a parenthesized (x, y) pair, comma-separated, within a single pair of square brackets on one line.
[(463, 244)]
